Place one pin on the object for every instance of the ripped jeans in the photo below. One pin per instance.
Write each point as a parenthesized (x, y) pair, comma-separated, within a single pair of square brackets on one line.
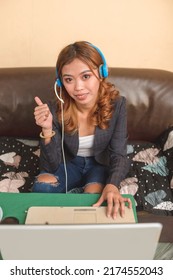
[(81, 171)]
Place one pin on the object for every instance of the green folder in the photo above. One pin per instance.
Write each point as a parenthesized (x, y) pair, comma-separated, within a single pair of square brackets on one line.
[(17, 204)]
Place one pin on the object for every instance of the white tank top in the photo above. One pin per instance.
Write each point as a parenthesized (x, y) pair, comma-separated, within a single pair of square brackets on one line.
[(86, 144)]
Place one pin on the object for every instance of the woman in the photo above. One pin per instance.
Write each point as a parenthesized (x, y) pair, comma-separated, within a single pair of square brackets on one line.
[(83, 138)]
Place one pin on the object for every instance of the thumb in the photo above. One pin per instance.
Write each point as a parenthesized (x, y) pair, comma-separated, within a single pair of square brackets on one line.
[(38, 101), (99, 202)]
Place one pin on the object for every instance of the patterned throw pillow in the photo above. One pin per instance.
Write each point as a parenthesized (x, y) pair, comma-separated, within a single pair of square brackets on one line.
[(166, 143), (148, 178), (19, 164)]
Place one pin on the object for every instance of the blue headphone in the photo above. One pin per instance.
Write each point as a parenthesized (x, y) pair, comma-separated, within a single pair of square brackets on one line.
[(103, 69)]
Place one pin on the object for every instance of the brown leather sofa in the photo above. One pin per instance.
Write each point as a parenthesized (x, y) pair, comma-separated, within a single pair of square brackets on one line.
[(149, 95)]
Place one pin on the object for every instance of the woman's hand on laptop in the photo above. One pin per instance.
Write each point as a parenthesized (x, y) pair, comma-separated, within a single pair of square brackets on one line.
[(115, 201)]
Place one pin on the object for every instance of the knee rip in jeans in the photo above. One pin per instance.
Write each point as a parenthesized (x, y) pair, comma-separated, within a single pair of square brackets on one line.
[(93, 188), (48, 179)]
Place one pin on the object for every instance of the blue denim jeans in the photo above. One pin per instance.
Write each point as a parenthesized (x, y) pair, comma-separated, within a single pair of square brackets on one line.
[(81, 171)]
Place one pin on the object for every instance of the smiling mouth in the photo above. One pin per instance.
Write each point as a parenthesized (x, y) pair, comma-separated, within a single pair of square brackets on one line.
[(81, 95)]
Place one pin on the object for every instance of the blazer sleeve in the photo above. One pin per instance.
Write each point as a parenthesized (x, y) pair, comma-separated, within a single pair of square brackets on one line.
[(118, 145), (51, 154)]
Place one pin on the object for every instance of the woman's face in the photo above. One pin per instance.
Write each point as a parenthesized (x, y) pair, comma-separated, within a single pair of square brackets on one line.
[(81, 83)]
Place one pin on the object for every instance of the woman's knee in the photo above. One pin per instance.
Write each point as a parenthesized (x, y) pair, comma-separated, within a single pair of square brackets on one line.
[(93, 188), (46, 183), (47, 178)]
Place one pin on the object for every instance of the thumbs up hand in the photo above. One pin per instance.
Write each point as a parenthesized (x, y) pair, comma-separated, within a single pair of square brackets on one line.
[(43, 116), (38, 101)]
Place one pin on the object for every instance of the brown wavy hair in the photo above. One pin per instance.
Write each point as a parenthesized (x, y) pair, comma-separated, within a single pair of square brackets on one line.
[(103, 109)]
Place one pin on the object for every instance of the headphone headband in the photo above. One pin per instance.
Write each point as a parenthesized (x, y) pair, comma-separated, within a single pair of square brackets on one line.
[(103, 69)]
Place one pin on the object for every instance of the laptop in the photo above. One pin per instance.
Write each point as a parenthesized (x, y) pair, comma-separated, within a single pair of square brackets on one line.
[(132, 241)]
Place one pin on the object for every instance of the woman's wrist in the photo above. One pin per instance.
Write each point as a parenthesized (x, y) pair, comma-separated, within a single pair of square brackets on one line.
[(112, 187), (47, 133)]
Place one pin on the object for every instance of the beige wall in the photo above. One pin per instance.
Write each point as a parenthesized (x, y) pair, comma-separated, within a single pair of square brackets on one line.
[(131, 33)]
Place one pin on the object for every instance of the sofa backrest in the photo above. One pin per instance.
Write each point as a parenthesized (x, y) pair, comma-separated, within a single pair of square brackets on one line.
[(149, 95), (18, 87)]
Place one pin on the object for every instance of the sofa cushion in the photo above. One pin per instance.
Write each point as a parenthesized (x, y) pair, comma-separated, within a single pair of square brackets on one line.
[(149, 179), (19, 164)]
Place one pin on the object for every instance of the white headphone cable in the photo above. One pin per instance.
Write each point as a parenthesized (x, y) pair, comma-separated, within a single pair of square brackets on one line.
[(62, 138), (60, 98)]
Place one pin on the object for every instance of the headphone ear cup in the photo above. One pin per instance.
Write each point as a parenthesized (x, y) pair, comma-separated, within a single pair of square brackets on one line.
[(103, 71), (58, 81), (100, 71)]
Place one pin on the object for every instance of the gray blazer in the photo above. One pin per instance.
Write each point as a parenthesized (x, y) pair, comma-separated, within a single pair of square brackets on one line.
[(110, 145)]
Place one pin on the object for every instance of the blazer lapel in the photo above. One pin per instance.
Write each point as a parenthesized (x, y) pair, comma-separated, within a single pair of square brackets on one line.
[(72, 143), (101, 140)]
